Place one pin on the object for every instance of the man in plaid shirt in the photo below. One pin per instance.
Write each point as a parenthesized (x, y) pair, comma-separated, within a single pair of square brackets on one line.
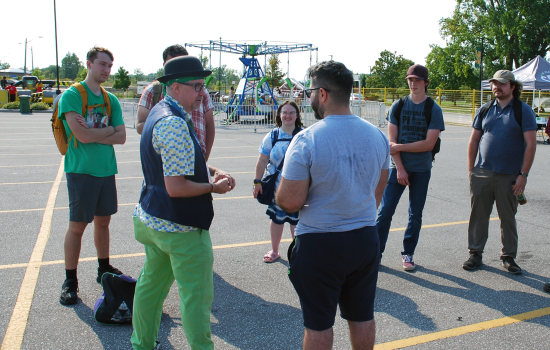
[(203, 118)]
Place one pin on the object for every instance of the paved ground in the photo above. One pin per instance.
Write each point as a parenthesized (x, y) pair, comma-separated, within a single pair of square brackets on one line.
[(255, 306)]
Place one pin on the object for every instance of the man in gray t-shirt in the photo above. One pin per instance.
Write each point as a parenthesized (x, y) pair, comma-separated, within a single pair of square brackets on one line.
[(411, 143), (335, 173)]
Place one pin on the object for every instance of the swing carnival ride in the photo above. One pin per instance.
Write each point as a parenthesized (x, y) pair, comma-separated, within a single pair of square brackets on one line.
[(253, 84)]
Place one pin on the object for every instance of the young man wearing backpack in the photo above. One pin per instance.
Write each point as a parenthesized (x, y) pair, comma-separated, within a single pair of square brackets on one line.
[(504, 135), (203, 117), (90, 165), (412, 138)]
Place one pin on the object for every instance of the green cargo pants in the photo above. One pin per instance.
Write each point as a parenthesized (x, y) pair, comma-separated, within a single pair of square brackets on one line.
[(188, 258)]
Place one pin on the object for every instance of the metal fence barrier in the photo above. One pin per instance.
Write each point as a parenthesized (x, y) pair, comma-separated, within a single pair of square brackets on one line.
[(250, 117)]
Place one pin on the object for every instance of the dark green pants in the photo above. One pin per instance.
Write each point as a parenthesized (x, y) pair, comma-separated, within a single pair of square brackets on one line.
[(486, 188)]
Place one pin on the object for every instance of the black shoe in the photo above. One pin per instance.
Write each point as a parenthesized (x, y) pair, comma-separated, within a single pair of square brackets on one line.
[(68, 292), (110, 269), (473, 262), (510, 265), (546, 287)]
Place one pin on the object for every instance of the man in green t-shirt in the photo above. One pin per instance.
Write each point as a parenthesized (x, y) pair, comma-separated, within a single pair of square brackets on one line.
[(90, 166)]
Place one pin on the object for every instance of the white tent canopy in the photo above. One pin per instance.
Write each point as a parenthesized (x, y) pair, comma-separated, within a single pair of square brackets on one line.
[(535, 75)]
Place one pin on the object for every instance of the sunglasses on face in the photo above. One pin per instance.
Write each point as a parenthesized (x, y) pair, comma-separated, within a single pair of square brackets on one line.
[(308, 91)]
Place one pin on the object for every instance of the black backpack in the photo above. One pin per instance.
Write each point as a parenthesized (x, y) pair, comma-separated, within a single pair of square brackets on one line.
[(518, 113), (427, 114), (116, 305)]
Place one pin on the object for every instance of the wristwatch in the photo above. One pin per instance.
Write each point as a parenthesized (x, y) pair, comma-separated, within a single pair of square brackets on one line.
[(257, 181), (524, 174)]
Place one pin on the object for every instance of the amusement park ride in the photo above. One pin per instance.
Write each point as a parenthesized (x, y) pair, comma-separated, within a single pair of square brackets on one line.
[(254, 80)]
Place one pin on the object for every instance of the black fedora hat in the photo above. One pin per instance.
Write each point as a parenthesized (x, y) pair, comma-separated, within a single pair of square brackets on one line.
[(183, 67)]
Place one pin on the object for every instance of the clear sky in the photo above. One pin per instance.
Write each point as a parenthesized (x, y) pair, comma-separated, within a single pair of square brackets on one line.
[(352, 31)]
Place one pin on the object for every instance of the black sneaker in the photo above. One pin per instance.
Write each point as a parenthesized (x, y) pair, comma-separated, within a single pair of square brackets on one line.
[(510, 265), (546, 287), (473, 262), (68, 292), (110, 269)]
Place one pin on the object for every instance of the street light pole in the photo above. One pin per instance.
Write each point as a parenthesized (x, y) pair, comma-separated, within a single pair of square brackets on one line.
[(25, 66), (57, 92), (32, 61)]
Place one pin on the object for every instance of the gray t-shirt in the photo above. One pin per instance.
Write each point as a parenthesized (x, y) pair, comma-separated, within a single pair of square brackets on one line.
[(502, 146), (412, 129), (343, 155)]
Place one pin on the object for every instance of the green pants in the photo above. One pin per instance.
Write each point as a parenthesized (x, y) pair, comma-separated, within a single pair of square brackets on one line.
[(188, 258)]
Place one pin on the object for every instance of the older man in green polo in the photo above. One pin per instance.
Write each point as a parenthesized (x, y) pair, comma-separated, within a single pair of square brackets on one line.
[(175, 211)]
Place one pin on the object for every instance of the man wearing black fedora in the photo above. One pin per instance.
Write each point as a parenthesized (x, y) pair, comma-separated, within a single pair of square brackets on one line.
[(175, 211)]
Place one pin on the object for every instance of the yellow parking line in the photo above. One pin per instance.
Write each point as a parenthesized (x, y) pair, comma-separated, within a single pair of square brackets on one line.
[(120, 205), (454, 332), (235, 245), (27, 133), (18, 321)]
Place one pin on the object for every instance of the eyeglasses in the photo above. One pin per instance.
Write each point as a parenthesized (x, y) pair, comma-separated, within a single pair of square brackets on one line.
[(198, 86), (308, 91)]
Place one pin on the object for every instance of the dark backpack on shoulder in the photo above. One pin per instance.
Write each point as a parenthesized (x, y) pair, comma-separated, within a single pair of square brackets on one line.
[(518, 113), (268, 181), (428, 105)]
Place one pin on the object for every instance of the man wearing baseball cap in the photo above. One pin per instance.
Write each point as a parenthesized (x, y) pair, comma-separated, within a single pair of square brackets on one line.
[(175, 211), (504, 136), (412, 139)]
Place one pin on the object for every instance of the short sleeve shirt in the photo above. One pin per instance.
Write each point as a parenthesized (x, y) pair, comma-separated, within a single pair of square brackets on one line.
[(502, 146), (413, 128), (89, 158), (275, 153), (343, 156), (172, 141)]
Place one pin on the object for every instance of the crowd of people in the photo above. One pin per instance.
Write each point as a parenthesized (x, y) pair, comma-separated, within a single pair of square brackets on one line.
[(338, 184)]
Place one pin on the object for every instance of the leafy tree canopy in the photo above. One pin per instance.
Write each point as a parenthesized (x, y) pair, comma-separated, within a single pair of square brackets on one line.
[(389, 70), (4, 65), (38, 73), (81, 74), (515, 31), (71, 66), (273, 71), (122, 79)]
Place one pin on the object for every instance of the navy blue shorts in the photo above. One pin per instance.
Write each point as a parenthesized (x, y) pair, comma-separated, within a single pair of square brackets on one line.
[(91, 196), (336, 268)]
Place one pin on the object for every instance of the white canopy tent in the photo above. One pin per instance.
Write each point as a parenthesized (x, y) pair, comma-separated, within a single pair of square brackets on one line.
[(535, 75)]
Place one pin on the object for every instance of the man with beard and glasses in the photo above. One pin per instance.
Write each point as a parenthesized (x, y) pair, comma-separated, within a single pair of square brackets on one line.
[(335, 173), (506, 144)]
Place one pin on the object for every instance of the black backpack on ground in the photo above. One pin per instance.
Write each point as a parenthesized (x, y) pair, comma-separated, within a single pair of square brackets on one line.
[(428, 105), (116, 304)]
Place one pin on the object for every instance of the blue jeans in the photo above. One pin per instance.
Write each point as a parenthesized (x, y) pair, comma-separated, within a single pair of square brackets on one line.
[(418, 190)]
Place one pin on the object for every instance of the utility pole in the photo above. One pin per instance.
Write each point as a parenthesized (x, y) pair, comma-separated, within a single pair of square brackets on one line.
[(57, 92), (25, 66)]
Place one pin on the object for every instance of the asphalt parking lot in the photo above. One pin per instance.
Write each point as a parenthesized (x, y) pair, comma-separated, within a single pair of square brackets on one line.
[(438, 306)]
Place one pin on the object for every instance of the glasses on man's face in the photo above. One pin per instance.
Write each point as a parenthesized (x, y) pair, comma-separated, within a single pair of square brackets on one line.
[(198, 86), (308, 91)]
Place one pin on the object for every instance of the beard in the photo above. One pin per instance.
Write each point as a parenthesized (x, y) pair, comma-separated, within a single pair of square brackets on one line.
[(318, 112)]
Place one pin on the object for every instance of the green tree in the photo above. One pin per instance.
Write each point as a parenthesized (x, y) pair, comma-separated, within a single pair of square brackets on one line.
[(4, 65), (82, 74), (71, 66), (389, 70), (37, 72), (122, 79), (204, 61), (450, 68), (227, 75), (50, 72), (273, 71), (138, 75), (160, 73), (515, 31)]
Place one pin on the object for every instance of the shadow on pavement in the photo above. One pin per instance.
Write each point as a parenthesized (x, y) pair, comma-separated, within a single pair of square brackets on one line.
[(508, 302), (247, 321)]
